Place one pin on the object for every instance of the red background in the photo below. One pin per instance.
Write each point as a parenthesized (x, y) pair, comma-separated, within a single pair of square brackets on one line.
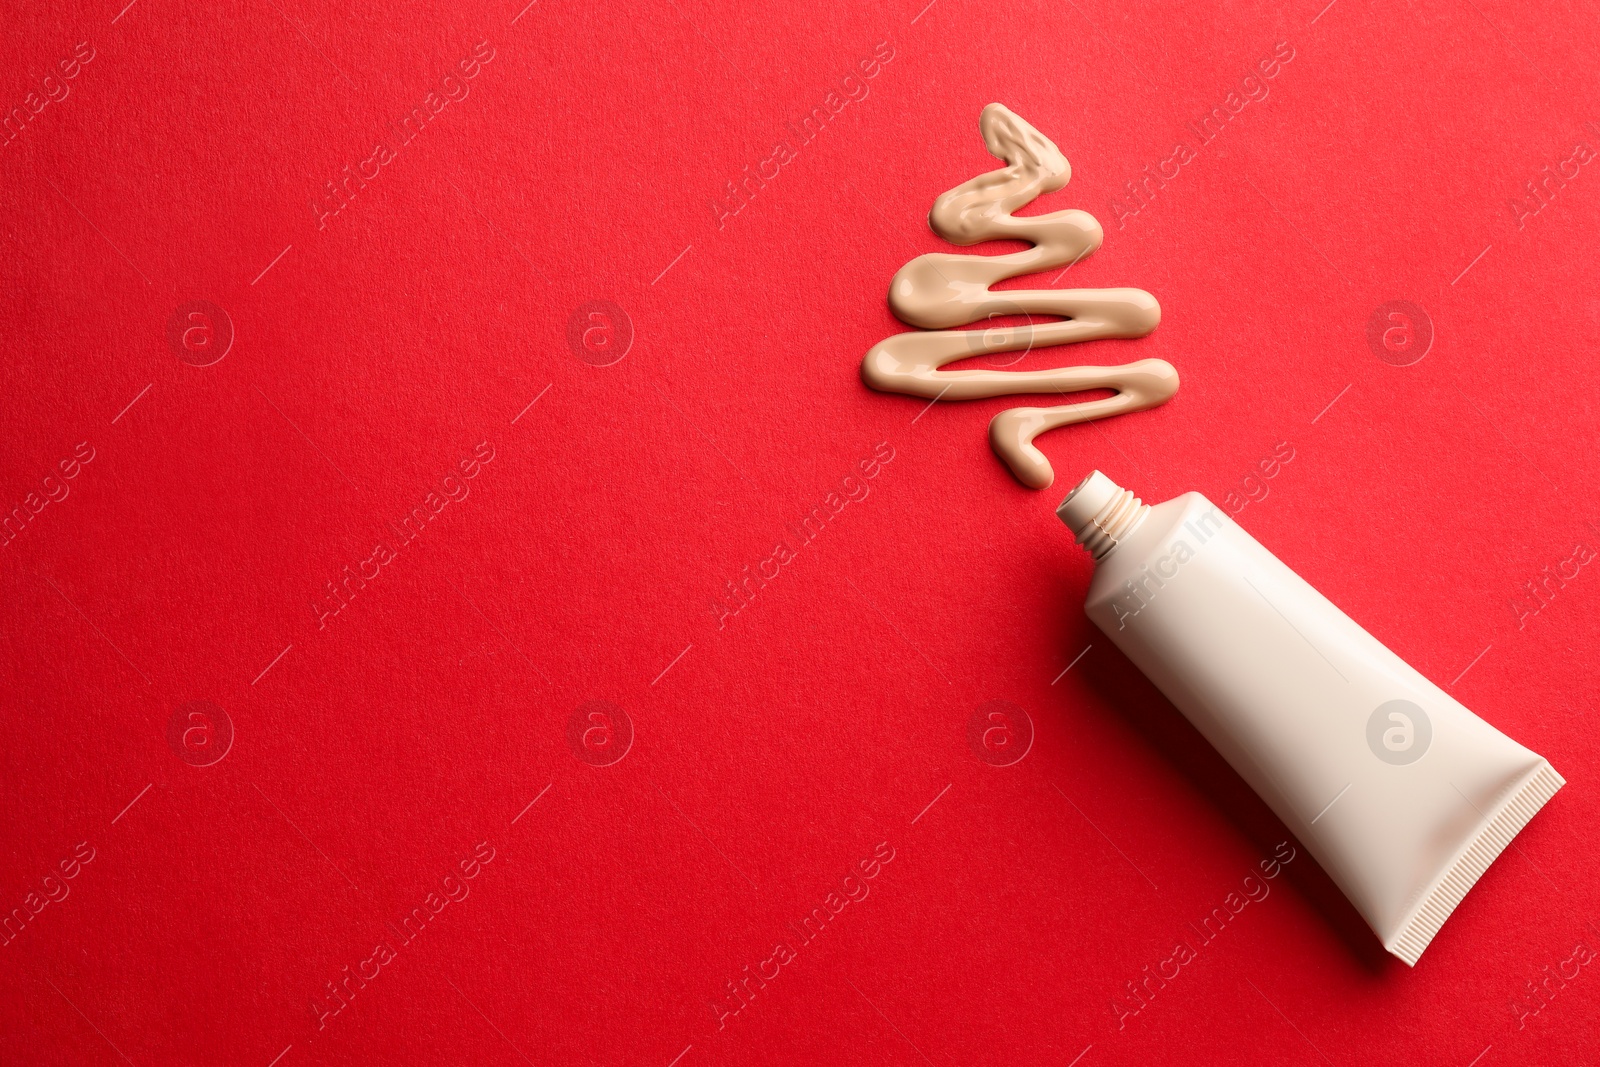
[(371, 754)]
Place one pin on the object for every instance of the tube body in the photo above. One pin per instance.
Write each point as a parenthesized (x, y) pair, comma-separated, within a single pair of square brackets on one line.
[(1402, 794)]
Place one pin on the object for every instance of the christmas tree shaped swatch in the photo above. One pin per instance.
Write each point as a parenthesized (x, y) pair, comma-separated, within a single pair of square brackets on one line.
[(940, 290)]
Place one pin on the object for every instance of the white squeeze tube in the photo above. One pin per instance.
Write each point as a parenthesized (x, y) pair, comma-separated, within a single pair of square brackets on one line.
[(1404, 796)]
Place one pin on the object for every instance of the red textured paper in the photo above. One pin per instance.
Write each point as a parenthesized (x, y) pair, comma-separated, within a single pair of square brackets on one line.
[(443, 714)]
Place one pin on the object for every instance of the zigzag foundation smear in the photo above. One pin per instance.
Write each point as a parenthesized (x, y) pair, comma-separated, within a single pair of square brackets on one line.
[(940, 290)]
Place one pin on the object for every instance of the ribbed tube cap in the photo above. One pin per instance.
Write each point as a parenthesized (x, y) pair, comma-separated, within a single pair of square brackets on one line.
[(1100, 513)]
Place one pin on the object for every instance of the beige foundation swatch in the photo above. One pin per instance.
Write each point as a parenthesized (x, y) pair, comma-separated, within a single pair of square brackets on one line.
[(940, 290)]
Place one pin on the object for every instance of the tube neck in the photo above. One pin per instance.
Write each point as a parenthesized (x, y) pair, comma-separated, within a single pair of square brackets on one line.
[(1101, 514)]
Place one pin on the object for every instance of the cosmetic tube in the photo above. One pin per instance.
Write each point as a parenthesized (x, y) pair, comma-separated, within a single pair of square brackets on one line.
[(1403, 795)]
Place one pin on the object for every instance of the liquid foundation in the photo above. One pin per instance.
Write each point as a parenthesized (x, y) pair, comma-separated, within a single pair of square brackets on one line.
[(1403, 795), (940, 290)]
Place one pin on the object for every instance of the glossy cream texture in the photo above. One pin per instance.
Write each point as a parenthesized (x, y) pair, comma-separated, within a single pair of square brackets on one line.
[(940, 290), (1402, 794)]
